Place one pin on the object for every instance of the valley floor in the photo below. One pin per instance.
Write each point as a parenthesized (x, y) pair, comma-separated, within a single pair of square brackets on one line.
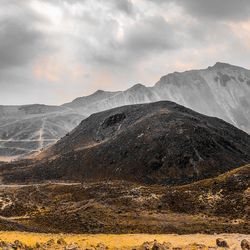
[(216, 205), (125, 241)]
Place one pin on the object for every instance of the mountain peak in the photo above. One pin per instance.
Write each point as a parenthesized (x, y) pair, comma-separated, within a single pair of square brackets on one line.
[(222, 65), (99, 91), (137, 86)]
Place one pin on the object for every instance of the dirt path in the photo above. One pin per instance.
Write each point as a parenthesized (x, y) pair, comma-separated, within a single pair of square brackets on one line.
[(2, 186)]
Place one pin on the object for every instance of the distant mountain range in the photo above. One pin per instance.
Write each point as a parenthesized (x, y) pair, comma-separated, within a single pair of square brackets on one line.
[(221, 91), (28, 129)]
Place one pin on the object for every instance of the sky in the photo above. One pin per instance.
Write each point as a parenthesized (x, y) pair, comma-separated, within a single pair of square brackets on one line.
[(52, 51)]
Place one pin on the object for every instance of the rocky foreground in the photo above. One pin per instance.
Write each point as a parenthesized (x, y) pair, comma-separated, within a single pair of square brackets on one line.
[(217, 205), (126, 242)]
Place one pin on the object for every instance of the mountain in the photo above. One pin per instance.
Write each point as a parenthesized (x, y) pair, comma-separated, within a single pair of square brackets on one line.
[(107, 100), (88, 105), (222, 91), (29, 128), (156, 143)]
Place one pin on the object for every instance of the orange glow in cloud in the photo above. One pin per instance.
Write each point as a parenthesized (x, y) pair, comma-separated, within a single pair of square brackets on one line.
[(47, 69), (102, 80), (54, 70), (181, 65), (242, 32), (78, 72)]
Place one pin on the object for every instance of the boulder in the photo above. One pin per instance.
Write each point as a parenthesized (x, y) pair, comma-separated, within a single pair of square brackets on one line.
[(50, 242), (221, 243), (38, 245), (72, 247), (146, 246), (245, 245), (101, 246), (163, 246), (61, 241), (18, 244)]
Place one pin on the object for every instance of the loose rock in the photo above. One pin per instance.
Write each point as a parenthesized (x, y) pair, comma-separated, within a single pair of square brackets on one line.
[(158, 246), (101, 246), (61, 241), (245, 245), (221, 243), (72, 247)]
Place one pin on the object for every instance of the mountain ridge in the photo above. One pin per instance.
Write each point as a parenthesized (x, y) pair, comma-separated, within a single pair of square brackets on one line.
[(221, 90)]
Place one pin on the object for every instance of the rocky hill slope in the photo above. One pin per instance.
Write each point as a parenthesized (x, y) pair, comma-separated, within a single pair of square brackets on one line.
[(161, 142)]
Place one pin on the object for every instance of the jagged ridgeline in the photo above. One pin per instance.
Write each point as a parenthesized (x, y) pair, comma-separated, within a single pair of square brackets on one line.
[(155, 143), (221, 91)]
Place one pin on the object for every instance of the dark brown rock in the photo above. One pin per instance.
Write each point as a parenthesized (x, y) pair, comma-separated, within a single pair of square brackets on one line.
[(245, 245), (221, 243), (61, 241), (158, 246), (101, 246)]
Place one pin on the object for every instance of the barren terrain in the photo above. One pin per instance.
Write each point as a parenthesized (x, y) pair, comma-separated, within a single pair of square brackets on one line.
[(123, 242)]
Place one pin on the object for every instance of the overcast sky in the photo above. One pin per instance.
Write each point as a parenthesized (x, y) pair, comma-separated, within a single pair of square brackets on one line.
[(52, 51)]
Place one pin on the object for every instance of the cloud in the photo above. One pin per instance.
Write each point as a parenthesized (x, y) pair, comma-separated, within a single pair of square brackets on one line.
[(19, 44), (125, 6), (126, 46), (213, 9), (51, 50), (150, 34), (20, 40)]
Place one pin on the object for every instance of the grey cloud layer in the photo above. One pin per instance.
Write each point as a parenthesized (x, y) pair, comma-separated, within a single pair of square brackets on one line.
[(20, 40), (143, 38), (132, 40), (215, 9), (19, 44)]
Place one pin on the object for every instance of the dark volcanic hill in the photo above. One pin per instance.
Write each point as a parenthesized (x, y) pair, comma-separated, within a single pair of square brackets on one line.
[(161, 142)]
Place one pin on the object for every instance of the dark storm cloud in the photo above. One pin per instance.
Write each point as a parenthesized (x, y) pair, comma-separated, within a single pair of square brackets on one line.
[(53, 44), (20, 41), (143, 38), (213, 9), (125, 6), (150, 34)]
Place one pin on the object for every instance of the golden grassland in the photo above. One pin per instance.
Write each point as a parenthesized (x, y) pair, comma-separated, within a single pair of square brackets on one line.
[(126, 241)]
